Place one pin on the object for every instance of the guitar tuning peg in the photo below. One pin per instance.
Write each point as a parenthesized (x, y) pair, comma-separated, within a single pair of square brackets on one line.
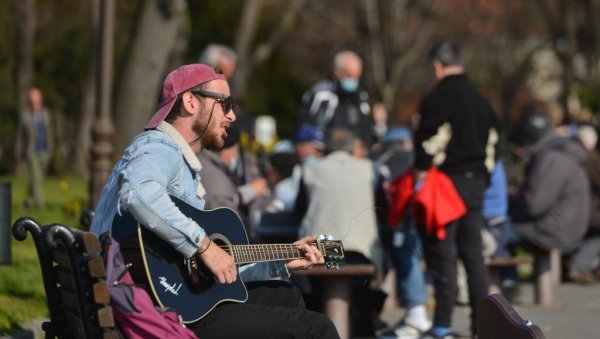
[(332, 265)]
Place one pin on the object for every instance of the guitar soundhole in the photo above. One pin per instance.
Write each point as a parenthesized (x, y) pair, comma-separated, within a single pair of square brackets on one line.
[(221, 241), (203, 273)]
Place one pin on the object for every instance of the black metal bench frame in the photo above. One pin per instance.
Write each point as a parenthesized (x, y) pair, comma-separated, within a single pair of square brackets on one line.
[(74, 274)]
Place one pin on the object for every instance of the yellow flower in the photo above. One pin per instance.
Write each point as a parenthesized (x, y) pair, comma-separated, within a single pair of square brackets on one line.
[(63, 185)]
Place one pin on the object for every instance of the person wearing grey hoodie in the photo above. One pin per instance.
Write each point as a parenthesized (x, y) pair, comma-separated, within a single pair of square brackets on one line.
[(552, 207)]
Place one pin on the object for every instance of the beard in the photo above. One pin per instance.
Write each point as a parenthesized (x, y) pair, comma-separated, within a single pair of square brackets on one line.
[(209, 139)]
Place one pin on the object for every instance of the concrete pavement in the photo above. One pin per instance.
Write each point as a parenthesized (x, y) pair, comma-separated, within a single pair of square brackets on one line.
[(574, 315)]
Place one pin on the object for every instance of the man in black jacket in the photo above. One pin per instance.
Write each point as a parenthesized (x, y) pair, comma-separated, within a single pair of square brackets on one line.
[(458, 134)]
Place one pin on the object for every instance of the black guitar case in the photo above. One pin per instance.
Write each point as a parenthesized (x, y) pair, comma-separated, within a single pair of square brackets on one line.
[(497, 319)]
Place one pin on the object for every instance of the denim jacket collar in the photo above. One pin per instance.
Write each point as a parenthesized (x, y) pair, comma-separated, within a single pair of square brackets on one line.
[(187, 152)]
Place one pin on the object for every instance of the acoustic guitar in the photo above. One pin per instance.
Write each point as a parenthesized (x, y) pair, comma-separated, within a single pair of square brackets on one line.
[(185, 285)]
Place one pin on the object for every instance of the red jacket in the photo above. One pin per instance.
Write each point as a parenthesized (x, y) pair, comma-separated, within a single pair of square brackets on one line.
[(435, 205)]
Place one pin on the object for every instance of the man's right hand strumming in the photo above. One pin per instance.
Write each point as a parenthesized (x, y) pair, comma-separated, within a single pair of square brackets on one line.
[(219, 262)]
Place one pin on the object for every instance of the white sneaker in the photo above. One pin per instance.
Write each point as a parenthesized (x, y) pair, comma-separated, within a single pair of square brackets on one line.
[(404, 331)]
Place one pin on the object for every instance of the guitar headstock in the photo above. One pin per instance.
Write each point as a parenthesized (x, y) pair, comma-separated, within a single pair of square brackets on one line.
[(332, 250)]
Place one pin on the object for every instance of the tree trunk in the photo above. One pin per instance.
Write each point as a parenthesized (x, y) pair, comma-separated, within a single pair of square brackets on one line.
[(81, 155), (392, 53), (243, 41), (157, 35), (25, 12), (249, 58)]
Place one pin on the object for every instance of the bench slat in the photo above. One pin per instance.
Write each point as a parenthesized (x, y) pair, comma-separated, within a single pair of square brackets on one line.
[(105, 317), (96, 267), (508, 261), (101, 294), (111, 334), (90, 243)]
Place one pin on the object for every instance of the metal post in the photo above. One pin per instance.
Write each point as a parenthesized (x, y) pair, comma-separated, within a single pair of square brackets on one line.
[(103, 131), (5, 234)]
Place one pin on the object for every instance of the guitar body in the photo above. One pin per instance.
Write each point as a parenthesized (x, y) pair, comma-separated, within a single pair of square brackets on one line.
[(162, 270), (497, 319)]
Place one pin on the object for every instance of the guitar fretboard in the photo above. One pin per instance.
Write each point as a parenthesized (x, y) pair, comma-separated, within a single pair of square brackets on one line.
[(245, 254)]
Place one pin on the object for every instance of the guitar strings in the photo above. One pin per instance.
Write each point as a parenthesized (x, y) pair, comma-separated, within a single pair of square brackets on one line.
[(261, 252)]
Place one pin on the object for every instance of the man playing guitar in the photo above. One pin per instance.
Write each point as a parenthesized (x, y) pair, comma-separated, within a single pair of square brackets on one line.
[(194, 113)]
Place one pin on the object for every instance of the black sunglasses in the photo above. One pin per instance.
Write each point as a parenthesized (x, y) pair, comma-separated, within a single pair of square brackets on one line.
[(225, 101)]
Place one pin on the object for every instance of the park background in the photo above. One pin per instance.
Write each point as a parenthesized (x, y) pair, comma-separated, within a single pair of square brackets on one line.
[(519, 52)]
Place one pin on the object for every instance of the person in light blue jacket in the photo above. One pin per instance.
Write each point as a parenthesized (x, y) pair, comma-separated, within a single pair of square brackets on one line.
[(195, 112)]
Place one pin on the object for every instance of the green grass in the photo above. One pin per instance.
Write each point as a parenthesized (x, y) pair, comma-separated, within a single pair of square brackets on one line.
[(22, 296)]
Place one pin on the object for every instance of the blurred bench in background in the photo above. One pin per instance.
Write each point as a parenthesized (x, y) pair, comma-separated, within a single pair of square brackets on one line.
[(546, 269), (337, 291)]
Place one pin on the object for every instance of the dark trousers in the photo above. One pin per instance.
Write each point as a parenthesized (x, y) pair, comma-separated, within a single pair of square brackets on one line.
[(274, 309), (463, 238)]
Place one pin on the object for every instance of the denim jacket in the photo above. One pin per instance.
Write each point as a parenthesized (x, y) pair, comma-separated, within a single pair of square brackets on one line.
[(159, 163)]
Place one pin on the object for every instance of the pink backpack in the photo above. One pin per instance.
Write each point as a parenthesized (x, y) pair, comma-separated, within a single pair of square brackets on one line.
[(133, 308)]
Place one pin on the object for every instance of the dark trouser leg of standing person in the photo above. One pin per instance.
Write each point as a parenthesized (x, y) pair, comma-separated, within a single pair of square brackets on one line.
[(468, 239), (463, 237), (37, 166), (470, 253), (274, 309), (441, 266)]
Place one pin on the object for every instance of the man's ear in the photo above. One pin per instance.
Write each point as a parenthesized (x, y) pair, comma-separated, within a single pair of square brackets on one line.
[(188, 103), (438, 69)]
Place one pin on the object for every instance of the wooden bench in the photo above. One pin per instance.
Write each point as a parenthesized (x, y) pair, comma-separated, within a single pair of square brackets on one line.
[(73, 274), (495, 265), (546, 270), (337, 291)]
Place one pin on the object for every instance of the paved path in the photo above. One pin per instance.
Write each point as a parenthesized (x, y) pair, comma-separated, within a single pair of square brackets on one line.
[(575, 314)]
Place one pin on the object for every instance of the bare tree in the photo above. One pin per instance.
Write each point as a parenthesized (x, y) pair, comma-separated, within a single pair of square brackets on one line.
[(571, 31), (559, 19), (250, 57), (398, 36), (151, 52)]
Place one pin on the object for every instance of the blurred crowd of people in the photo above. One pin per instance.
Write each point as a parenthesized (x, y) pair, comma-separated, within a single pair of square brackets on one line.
[(412, 200), (345, 173)]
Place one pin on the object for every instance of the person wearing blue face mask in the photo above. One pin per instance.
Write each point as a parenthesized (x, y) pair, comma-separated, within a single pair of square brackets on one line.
[(340, 102)]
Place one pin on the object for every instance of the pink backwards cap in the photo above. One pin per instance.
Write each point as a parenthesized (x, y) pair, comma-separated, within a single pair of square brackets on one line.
[(177, 82)]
